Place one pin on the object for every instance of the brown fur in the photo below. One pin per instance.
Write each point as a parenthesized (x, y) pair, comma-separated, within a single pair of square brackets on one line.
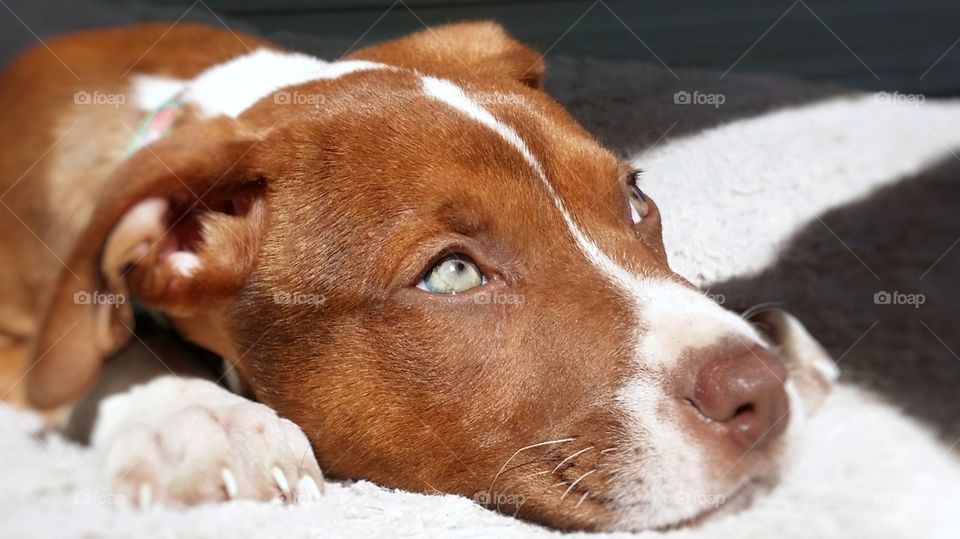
[(393, 384)]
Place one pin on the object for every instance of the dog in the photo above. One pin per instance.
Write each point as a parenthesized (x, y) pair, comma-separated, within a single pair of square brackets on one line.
[(417, 266)]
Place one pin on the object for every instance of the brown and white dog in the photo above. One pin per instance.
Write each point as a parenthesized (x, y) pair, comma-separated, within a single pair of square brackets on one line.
[(413, 254)]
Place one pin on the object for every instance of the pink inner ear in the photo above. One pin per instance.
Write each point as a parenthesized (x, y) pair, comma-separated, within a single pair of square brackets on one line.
[(171, 229), (149, 226), (131, 238)]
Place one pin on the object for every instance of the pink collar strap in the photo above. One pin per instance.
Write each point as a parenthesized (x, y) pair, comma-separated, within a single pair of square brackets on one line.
[(156, 124)]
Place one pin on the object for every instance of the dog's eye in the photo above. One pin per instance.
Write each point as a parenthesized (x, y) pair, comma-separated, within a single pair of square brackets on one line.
[(636, 199), (451, 275)]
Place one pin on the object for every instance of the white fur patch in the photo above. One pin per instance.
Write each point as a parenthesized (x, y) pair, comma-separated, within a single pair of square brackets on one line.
[(185, 263), (234, 86), (150, 92)]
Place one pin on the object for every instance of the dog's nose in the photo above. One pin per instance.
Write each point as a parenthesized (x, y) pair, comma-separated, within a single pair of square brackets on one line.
[(744, 394)]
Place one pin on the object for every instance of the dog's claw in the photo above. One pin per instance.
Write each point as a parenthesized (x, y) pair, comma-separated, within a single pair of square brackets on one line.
[(307, 490), (229, 483), (250, 452), (145, 496), (281, 480)]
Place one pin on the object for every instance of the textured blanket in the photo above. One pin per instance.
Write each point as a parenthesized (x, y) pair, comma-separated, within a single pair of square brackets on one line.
[(829, 202)]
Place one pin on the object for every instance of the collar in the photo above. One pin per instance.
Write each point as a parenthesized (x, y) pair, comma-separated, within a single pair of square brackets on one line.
[(156, 124)]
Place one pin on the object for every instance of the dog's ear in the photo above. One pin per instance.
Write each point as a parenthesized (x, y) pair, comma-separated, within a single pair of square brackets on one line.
[(178, 227), (481, 48)]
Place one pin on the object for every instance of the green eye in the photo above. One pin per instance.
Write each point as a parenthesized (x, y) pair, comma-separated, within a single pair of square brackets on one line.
[(451, 275)]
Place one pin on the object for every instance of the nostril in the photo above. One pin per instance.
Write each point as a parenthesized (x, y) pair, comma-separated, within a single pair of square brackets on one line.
[(743, 395), (743, 409)]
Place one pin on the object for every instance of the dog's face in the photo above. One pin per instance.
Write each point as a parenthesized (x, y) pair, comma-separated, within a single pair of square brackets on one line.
[(449, 285)]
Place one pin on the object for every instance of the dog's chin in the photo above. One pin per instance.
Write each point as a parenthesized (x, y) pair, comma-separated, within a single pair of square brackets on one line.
[(637, 517), (739, 499), (716, 498)]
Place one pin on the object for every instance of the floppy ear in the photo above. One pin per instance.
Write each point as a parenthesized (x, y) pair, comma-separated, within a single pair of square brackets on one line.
[(178, 226), (481, 48)]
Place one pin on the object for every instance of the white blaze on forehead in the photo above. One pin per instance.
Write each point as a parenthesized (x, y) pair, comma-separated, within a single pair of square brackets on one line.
[(455, 97), (235, 85), (677, 317)]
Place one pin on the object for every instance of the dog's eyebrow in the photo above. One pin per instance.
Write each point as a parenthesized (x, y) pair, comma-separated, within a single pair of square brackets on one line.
[(461, 218)]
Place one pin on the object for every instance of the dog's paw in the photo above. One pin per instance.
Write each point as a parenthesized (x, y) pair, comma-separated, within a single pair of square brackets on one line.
[(178, 441)]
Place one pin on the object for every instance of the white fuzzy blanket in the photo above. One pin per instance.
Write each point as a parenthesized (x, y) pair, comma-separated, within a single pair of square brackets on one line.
[(733, 195)]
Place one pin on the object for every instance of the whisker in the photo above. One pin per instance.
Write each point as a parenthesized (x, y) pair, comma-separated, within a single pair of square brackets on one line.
[(584, 497), (521, 450), (575, 455), (435, 489), (610, 450), (564, 495)]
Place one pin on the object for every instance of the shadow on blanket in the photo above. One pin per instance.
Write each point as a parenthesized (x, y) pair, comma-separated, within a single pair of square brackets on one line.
[(902, 235)]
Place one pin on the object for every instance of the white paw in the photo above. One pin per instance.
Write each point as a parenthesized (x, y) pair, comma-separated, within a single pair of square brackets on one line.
[(179, 441)]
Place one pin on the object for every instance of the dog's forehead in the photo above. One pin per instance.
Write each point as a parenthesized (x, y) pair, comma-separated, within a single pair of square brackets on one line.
[(266, 88), (412, 113), (419, 142), (448, 120), (374, 144)]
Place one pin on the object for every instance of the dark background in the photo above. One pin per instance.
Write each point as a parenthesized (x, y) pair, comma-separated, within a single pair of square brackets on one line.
[(903, 45)]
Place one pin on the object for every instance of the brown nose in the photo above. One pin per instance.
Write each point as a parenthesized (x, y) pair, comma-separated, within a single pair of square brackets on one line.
[(744, 394)]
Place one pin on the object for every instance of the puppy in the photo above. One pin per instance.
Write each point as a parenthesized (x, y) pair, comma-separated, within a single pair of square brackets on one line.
[(413, 254)]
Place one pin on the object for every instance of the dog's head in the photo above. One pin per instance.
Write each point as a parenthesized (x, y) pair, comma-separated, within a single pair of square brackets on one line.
[(451, 286)]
